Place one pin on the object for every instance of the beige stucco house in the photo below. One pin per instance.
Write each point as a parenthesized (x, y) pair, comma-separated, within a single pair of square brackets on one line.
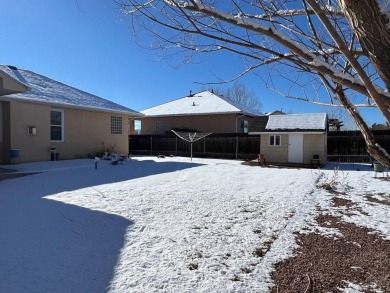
[(200, 112), (42, 119), (293, 138)]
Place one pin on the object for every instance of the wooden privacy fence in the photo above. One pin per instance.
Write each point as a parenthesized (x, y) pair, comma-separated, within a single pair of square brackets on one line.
[(343, 146), (230, 146), (349, 146)]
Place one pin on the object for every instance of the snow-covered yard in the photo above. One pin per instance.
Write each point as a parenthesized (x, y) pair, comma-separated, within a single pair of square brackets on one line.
[(164, 225)]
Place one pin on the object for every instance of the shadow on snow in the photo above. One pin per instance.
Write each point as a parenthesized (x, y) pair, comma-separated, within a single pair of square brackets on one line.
[(50, 246)]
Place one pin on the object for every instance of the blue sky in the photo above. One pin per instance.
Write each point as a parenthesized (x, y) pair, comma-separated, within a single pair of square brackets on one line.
[(88, 44)]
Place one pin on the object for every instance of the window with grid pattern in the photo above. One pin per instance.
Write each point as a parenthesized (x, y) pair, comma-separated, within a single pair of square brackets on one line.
[(57, 125), (274, 140), (116, 125)]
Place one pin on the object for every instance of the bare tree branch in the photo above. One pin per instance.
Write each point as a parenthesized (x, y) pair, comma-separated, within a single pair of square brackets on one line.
[(320, 48)]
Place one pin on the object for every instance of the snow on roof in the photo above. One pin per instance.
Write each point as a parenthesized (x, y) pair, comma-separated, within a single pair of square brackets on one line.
[(14, 80), (202, 103), (316, 121), (42, 89)]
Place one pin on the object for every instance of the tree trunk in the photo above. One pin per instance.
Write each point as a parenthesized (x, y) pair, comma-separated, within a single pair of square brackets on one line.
[(370, 26)]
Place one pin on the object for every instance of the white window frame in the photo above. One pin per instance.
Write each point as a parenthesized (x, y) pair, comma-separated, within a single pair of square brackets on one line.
[(116, 125), (275, 140), (62, 124), (244, 126)]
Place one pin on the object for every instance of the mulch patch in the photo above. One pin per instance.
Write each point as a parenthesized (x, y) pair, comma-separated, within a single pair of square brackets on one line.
[(375, 200), (277, 165), (325, 264), (338, 202)]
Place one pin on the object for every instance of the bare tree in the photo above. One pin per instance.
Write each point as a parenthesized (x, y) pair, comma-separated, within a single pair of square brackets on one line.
[(331, 52), (340, 115), (239, 93)]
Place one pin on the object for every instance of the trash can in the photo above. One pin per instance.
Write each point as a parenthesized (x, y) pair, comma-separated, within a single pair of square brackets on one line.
[(14, 154), (54, 156)]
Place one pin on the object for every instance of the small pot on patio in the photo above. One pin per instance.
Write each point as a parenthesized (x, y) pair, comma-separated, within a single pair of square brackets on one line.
[(378, 167)]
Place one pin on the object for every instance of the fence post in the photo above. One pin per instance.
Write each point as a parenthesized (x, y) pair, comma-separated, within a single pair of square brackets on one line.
[(236, 147), (204, 146), (151, 145), (176, 146)]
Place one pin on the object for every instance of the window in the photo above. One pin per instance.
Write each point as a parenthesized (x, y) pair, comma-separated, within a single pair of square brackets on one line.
[(244, 126), (31, 130), (116, 125), (57, 125), (159, 126), (274, 140)]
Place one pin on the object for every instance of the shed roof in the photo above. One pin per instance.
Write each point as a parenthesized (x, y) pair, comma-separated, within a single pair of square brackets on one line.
[(41, 89), (315, 121), (202, 103)]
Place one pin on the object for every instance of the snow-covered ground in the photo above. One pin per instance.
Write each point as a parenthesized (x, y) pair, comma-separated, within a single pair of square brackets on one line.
[(163, 225)]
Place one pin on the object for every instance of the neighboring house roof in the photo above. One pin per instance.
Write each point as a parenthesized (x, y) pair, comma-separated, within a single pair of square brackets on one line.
[(290, 123), (41, 89), (258, 124), (276, 112), (202, 103)]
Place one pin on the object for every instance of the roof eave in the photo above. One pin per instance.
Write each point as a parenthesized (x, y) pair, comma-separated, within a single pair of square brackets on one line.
[(317, 131), (61, 105), (200, 114)]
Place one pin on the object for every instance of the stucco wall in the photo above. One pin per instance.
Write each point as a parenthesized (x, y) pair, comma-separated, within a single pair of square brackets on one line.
[(224, 123), (84, 132), (34, 147)]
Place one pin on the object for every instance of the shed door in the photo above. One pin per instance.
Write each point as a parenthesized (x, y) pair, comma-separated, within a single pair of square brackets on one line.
[(295, 148)]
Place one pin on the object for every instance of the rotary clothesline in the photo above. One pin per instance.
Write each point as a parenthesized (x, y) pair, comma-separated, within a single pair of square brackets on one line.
[(190, 136)]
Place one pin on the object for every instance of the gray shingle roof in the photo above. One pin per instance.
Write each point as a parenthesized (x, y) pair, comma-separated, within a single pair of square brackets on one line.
[(316, 121), (48, 91)]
